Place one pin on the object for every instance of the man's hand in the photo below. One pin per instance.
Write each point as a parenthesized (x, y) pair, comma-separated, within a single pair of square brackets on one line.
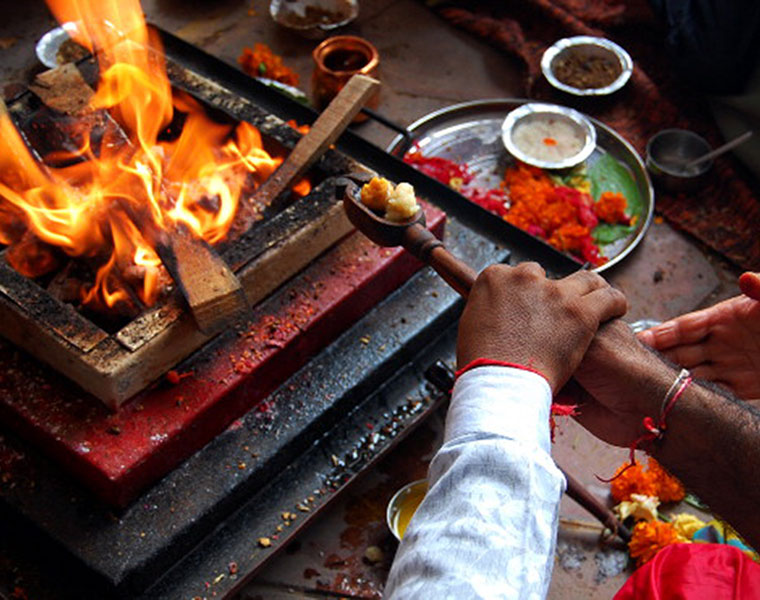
[(720, 343), (516, 314)]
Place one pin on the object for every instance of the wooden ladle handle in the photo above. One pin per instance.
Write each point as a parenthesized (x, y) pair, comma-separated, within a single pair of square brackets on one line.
[(424, 245), (458, 274)]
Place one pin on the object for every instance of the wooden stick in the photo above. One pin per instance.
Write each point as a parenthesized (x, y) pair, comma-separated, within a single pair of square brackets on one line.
[(592, 504), (212, 291), (324, 131)]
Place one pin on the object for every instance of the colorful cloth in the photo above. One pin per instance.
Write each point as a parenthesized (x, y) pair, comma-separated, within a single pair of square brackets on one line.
[(719, 532), (695, 572), (725, 215)]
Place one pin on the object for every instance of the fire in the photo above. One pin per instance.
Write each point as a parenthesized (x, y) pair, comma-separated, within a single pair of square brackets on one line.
[(108, 200)]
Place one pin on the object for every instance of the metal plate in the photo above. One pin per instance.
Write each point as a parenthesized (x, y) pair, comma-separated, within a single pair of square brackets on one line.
[(471, 133)]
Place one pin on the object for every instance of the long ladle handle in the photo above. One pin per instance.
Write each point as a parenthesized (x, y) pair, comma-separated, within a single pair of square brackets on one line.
[(421, 242), (458, 274)]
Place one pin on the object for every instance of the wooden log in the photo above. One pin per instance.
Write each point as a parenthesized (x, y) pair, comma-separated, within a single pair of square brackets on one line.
[(63, 89), (212, 291), (324, 131)]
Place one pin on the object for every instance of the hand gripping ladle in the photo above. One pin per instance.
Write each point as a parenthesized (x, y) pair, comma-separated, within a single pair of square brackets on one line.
[(421, 243)]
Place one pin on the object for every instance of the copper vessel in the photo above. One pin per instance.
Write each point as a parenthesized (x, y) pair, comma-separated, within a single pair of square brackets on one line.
[(336, 60)]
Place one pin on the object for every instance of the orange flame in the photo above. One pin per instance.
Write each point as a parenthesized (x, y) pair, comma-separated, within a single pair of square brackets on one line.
[(100, 208)]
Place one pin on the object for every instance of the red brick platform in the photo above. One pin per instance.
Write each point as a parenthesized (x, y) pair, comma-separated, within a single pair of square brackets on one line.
[(119, 455)]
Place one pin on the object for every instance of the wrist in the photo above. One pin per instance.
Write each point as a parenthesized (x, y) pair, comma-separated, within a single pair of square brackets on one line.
[(490, 362), (647, 380)]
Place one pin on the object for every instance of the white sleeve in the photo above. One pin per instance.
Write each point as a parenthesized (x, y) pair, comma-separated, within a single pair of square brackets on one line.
[(487, 526)]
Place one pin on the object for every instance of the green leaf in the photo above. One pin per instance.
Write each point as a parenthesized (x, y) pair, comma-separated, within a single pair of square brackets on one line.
[(609, 175), (606, 233), (696, 502)]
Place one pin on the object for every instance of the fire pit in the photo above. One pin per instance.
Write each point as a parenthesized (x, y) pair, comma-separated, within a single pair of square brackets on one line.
[(323, 426), (113, 199)]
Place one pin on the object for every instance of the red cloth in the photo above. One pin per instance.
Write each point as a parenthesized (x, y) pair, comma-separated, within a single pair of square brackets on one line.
[(695, 572)]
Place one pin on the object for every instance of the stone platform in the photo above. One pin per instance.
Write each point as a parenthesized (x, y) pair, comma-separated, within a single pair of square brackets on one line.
[(117, 455)]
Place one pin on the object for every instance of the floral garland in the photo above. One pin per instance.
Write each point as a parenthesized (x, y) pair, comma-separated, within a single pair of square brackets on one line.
[(639, 491)]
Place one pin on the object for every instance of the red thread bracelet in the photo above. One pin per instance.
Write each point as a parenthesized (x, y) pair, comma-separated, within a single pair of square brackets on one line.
[(656, 429), (489, 362), (564, 410)]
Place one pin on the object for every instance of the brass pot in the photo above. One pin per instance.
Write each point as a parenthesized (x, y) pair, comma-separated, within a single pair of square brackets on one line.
[(336, 60)]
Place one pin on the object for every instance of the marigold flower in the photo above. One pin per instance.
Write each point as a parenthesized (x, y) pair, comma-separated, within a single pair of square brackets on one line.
[(631, 480), (654, 481), (610, 208), (648, 538), (687, 524), (641, 508), (569, 237), (668, 488), (563, 215)]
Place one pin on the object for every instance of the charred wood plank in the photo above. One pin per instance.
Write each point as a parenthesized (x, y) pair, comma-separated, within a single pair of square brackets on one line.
[(212, 291), (63, 89), (36, 304), (324, 132)]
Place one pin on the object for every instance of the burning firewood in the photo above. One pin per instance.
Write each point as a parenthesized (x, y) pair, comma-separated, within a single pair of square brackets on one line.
[(63, 89), (212, 291), (65, 286)]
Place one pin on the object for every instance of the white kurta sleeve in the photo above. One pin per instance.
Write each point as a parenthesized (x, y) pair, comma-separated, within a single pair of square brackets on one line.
[(487, 526)]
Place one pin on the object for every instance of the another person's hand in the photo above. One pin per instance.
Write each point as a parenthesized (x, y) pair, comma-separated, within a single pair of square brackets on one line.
[(720, 343), (517, 315)]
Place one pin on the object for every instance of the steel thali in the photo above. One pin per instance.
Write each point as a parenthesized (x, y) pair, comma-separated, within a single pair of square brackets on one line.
[(471, 133)]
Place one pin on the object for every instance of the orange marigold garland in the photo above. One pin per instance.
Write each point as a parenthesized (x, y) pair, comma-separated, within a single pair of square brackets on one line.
[(668, 488), (654, 481), (648, 538), (631, 480)]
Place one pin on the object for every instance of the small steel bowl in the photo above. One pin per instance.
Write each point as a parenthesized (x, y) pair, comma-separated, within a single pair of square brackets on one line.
[(529, 113), (49, 44), (666, 154), (411, 493), (586, 46), (313, 19)]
